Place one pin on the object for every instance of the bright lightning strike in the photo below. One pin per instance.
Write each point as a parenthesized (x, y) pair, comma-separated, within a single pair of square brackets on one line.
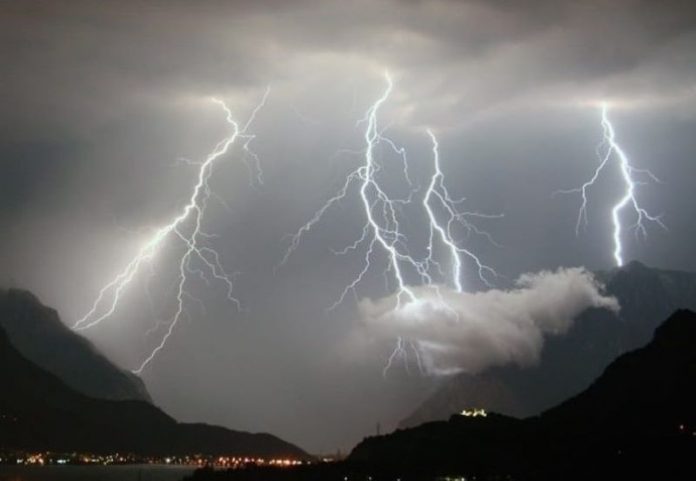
[(186, 228), (382, 232), (609, 150), (437, 194)]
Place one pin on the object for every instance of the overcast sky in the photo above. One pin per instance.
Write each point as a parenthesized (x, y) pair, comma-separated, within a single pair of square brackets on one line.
[(100, 102)]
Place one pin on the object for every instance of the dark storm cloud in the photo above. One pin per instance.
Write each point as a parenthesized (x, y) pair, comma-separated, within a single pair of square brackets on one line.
[(100, 99), (66, 54)]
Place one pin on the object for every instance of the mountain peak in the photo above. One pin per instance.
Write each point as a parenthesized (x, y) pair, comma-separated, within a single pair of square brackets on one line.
[(39, 335), (42, 413), (632, 270), (635, 265), (19, 293), (647, 295), (636, 416)]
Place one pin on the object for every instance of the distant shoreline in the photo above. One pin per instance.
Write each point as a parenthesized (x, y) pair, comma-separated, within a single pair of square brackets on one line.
[(123, 472)]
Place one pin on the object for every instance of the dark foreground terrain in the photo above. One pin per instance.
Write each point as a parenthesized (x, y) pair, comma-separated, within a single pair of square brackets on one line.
[(636, 421), (569, 363), (37, 332), (94, 473), (39, 412)]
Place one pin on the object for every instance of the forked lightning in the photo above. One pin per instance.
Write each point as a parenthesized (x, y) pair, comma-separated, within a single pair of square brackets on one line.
[(610, 150), (382, 231), (186, 228)]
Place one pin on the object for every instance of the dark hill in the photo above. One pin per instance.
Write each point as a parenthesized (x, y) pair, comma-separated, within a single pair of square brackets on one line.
[(652, 388), (638, 417), (571, 362), (636, 421), (37, 332), (39, 412)]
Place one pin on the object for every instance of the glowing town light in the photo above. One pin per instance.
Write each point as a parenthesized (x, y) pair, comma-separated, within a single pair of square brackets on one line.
[(474, 413)]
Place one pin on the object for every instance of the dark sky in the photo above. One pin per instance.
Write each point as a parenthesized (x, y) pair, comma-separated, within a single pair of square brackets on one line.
[(100, 101)]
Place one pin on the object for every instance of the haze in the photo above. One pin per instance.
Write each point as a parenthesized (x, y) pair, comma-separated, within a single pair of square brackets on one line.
[(102, 101)]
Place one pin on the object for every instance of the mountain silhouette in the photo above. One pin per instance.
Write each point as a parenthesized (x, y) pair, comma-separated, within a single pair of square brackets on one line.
[(37, 332), (652, 388), (38, 411), (637, 420), (638, 417), (570, 362)]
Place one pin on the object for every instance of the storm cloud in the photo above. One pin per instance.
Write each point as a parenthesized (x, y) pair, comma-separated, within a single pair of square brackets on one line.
[(100, 99), (469, 332)]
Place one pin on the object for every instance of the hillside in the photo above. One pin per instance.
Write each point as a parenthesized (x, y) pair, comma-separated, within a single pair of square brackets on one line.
[(39, 412), (569, 363), (636, 421), (37, 332), (652, 388), (637, 417)]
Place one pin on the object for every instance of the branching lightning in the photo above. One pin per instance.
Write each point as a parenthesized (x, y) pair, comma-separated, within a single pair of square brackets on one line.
[(382, 232), (437, 194), (187, 228), (609, 150)]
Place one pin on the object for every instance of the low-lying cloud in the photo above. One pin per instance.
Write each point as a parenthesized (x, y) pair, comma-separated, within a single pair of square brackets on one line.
[(468, 332)]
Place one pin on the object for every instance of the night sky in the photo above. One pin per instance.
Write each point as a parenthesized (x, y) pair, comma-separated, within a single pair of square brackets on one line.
[(106, 107)]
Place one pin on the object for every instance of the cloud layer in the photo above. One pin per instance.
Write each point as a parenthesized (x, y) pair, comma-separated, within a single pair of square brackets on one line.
[(470, 332)]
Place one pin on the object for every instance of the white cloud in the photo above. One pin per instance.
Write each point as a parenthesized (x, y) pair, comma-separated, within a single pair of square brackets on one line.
[(469, 332)]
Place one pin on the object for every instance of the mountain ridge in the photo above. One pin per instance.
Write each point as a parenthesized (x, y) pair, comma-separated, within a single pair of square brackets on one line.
[(637, 417), (38, 333), (38, 411), (568, 363), (635, 421)]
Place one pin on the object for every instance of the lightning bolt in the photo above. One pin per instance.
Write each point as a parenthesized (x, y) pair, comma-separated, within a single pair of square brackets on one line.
[(609, 150), (437, 194), (381, 229), (187, 229), (382, 233)]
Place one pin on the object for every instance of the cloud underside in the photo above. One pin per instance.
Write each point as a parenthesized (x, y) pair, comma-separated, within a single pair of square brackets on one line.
[(464, 57), (469, 332)]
